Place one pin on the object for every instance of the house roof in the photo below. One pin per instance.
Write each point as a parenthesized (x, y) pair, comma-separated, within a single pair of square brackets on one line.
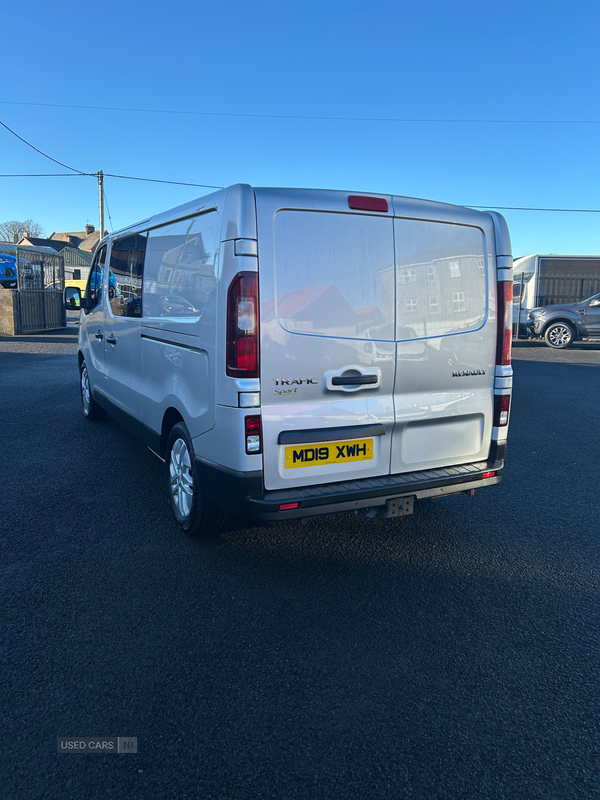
[(77, 239), (56, 246), (11, 249), (64, 236), (90, 242)]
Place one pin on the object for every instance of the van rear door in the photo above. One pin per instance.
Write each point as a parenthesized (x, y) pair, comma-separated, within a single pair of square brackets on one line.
[(446, 336), (327, 337)]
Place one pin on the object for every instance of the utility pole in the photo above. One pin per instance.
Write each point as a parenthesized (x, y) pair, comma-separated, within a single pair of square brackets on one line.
[(101, 200)]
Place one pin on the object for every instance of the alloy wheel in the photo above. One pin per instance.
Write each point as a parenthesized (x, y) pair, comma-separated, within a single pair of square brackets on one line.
[(559, 336), (85, 390), (181, 478)]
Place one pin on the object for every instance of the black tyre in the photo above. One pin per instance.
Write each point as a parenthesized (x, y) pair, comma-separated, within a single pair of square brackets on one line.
[(190, 508), (91, 409), (559, 335)]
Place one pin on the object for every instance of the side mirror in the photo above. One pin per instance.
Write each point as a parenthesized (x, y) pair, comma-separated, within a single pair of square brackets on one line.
[(594, 303), (73, 299)]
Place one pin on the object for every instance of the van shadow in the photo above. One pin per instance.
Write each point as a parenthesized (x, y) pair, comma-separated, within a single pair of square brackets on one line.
[(443, 538)]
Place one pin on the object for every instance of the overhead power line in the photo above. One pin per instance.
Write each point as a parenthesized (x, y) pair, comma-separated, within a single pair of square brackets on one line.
[(45, 175), (95, 175), (159, 180), (79, 173), (432, 120), (530, 208), (89, 174), (207, 186), (60, 163)]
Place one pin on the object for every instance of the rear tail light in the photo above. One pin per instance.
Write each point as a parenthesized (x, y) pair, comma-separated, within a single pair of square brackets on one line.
[(288, 506), (488, 474), (253, 434), (242, 326), (504, 296), (501, 408)]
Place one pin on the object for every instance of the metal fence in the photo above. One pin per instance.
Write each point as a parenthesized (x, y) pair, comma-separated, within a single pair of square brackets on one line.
[(40, 283)]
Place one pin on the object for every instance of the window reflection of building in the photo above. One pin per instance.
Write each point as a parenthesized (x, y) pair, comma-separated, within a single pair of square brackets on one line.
[(458, 300), (449, 293), (180, 268)]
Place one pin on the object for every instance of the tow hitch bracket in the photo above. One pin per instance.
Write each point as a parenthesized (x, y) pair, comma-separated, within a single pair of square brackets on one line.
[(398, 507)]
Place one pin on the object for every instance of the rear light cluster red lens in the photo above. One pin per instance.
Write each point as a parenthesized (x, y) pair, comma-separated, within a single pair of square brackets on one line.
[(361, 202), (501, 408), (253, 431), (504, 296), (288, 506), (242, 326), (488, 474)]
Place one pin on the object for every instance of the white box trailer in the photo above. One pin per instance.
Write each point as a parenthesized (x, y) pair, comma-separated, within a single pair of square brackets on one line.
[(294, 352), (546, 280)]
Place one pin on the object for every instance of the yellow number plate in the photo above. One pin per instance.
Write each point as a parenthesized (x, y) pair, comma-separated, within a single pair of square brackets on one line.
[(316, 455)]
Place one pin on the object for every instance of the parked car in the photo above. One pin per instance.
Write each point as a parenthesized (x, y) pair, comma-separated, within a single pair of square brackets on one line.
[(561, 325), (305, 352), (95, 283), (8, 271)]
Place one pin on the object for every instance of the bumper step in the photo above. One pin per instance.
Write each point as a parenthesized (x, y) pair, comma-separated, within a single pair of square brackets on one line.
[(357, 493)]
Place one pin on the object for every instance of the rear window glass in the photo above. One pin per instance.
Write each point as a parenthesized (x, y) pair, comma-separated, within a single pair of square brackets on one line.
[(333, 274), (441, 284)]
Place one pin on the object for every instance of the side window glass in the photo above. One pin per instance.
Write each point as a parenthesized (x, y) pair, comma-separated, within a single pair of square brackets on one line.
[(125, 275), (179, 280), (93, 289)]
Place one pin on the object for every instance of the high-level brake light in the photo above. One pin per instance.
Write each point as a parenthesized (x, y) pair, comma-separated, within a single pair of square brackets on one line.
[(361, 202), (504, 296), (242, 326)]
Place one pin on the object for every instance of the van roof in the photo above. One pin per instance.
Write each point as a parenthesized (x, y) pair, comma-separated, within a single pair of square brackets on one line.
[(239, 194)]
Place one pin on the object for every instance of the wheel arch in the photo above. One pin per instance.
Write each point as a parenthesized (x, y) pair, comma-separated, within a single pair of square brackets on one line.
[(565, 320), (171, 417)]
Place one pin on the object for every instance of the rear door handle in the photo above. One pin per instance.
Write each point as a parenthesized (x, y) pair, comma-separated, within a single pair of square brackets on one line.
[(352, 380), (99, 335), (111, 340)]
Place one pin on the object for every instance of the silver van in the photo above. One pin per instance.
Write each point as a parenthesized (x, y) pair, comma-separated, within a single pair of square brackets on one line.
[(290, 353)]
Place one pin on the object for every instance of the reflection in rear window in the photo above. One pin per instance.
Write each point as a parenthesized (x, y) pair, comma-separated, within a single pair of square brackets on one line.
[(331, 274), (441, 283)]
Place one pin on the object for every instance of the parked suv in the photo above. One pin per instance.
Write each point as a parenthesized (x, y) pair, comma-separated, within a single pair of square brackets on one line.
[(290, 353), (561, 325)]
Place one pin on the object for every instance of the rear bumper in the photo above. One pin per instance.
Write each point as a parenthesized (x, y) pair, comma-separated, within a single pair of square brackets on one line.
[(243, 494)]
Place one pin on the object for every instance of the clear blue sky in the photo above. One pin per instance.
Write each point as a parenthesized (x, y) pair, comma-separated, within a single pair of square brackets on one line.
[(515, 60)]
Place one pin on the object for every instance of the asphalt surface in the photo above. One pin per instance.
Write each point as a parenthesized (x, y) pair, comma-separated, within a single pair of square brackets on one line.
[(452, 654)]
